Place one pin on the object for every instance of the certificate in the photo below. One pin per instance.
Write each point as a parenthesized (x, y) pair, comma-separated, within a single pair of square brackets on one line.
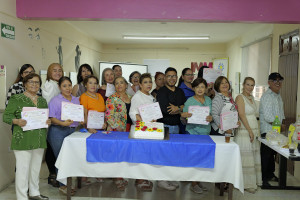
[(36, 119), (72, 111), (129, 90), (110, 90), (199, 115), (210, 75), (95, 119), (150, 112), (229, 120)]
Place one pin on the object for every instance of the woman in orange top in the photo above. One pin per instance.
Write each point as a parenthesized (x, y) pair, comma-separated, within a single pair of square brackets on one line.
[(92, 100)]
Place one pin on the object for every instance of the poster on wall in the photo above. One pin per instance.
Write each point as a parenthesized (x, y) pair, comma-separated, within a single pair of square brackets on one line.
[(222, 64), (3, 86)]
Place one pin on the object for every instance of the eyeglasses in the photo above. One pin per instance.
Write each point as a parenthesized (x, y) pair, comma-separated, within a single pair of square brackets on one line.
[(33, 82), (189, 74), (277, 81), (169, 76), (136, 77), (29, 72)]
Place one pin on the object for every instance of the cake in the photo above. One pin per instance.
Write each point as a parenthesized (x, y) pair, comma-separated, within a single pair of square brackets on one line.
[(148, 130)]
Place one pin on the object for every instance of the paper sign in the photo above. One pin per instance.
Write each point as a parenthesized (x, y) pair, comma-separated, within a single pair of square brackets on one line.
[(150, 112), (110, 90), (229, 120), (210, 75), (199, 115), (72, 111), (35, 118), (95, 119)]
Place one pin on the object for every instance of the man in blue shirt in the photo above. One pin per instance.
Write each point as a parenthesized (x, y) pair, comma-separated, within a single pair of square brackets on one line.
[(271, 105)]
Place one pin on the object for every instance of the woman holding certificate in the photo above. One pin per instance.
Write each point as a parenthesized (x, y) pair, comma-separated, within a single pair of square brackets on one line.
[(108, 76), (61, 129), (199, 86), (84, 71), (246, 136), (28, 146), (50, 90)]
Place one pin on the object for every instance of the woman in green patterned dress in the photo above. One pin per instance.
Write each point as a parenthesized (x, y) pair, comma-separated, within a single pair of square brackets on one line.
[(28, 146)]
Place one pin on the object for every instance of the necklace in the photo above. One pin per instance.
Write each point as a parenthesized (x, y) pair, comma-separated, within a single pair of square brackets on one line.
[(94, 97), (248, 97), (33, 98), (200, 100)]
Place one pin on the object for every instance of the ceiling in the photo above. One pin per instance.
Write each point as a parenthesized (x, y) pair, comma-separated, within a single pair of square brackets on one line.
[(111, 32)]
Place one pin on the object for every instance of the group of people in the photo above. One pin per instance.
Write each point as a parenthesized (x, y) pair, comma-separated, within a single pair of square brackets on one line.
[(121, 111)]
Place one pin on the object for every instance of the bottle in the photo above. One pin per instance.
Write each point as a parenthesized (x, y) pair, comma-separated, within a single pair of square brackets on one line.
[(276, 125)]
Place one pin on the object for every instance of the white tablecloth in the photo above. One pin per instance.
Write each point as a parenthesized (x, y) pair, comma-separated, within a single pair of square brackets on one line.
[(71, 162)]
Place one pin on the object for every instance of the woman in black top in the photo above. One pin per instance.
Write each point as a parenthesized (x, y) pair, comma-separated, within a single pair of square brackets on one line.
[(159, 82)]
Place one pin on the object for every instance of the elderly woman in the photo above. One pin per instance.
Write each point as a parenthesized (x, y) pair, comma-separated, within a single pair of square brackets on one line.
[(108, 76), (117, 115), (50, 90), (118, 70), (28, 146), (134, 79), (159, 79), (84, 71)]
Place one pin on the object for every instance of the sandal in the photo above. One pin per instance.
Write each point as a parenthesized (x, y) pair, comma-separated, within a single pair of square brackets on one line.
[(225, 187), (99, 180), (137, 182), (145, 185), (86, 182), (125, 182), (119, 184), (65, 191)]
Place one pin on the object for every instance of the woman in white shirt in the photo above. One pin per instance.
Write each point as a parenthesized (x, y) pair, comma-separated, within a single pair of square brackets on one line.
[(50, 90), (140, 98)]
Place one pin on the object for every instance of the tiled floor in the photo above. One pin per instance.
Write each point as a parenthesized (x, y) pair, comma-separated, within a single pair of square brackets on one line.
[(107, 191)]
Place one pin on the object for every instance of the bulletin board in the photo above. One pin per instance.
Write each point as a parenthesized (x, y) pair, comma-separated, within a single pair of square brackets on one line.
[(222, 64)]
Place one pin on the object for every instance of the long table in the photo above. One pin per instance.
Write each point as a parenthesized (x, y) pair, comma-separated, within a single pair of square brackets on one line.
[(71, 162), (283, 156)]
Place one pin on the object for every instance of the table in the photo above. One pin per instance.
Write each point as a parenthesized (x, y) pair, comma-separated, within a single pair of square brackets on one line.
[(71, 162), (283, 156)]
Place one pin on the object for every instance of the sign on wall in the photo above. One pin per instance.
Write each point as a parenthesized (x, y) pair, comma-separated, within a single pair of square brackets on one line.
[(221, 64), (7, 31)]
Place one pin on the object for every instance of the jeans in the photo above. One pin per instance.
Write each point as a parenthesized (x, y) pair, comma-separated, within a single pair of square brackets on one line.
[(173, 129), (56, 136)]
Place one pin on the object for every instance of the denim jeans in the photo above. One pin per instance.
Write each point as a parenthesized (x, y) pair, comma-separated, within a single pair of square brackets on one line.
[(56, 136), (173, 129)]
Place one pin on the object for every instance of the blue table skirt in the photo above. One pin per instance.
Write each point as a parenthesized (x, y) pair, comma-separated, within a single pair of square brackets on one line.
[(179, 150)]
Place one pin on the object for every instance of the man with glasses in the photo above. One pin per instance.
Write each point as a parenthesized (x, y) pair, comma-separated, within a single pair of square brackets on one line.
[(271, 105), (171, 100)]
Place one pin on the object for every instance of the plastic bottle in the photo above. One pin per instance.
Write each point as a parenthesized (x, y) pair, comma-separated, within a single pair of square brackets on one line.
[(276, 125)]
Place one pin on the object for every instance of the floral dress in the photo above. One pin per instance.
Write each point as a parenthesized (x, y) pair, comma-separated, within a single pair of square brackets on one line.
[(116, 112)]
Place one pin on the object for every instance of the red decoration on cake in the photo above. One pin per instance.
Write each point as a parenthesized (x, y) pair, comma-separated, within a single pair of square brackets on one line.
[(154, 129)]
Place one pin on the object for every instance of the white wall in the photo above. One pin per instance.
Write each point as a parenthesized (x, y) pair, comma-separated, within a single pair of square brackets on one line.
[(15, 53)]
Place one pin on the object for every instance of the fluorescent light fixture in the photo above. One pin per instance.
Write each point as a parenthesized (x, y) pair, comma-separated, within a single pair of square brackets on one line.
[(165, 37)]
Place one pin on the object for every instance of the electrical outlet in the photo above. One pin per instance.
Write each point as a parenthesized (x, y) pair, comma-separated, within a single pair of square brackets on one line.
[(9, 150)]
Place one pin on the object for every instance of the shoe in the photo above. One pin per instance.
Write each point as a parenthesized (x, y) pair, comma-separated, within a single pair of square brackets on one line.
[(87, 182), (166, 185), (99, 180), (174, 183), (250, 190), (196, 189), (266, 184), (145, 185), (65, 191), (203, 187), (39, 197), (274, 178), (52, 180), (119, 184)]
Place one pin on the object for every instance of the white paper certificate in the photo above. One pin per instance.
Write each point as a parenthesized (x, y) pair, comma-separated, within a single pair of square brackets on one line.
[(95, 119), (229, 120), (110, 90), (72, 111), (150, 112), (210, 75), (36, 119), (199, 115)]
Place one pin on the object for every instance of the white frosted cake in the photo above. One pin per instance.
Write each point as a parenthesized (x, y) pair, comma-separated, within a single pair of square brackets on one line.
[(148, 130)]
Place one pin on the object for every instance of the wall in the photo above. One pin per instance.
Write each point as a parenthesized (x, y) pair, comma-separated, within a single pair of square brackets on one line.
[(40, 53)]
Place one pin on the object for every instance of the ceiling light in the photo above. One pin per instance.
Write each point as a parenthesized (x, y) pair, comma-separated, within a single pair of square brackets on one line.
[(165, 37)]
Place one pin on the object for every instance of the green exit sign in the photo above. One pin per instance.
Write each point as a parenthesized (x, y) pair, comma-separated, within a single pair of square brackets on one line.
[(7, 31)]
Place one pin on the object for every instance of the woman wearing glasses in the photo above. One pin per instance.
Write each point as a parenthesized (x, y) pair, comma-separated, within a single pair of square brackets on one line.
[(17, 87), (134, 79), (28, 146)]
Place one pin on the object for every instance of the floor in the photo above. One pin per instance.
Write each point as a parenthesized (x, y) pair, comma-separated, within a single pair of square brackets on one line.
[(107, 191)]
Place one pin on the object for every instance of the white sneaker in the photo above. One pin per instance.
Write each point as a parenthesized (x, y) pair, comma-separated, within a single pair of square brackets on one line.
[(203, 187), (196, 189), (174, 183), (166, 185)]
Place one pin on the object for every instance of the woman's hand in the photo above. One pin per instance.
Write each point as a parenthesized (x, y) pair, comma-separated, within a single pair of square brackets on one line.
[(104, 126), (91, 130), (153, 120), (229, 131), (238, 123), (186, 115), (209, 118), (138, 118), (68, 122), (119, 129), (251, 136), (48, 122), (21, 122)]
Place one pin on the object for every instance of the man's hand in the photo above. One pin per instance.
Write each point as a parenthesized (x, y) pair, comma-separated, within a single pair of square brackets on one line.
[(172, 110)]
